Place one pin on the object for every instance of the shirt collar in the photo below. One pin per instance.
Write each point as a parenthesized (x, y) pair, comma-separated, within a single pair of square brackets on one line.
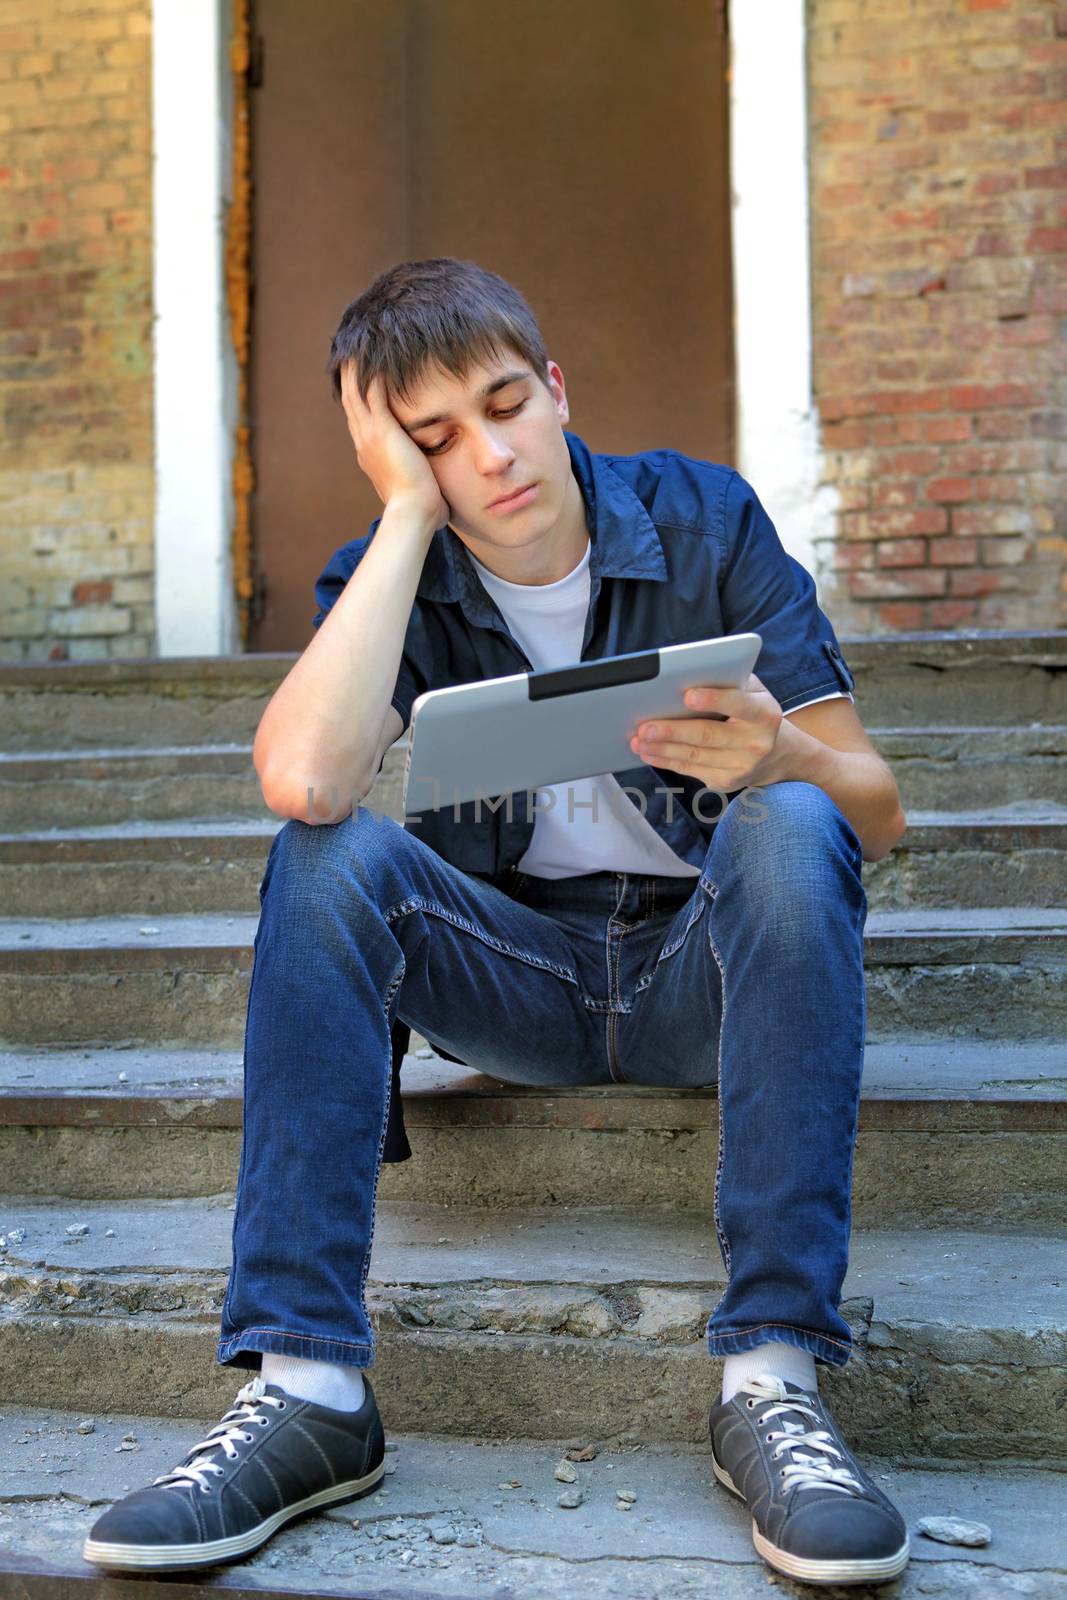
[(623, 539)]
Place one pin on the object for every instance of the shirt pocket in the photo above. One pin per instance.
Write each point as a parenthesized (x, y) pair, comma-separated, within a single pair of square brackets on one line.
[(840, 665)]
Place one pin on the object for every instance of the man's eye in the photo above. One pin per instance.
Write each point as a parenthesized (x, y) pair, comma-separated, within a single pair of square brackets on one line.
[(437, 449)]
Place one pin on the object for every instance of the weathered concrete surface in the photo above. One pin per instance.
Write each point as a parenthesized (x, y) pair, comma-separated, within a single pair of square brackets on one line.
[(969, 973), (900, 1177), (1009, 856), (921, 679), (683, 1536), (74, 789), (938, 767), (960, 1338), (950, 1131)]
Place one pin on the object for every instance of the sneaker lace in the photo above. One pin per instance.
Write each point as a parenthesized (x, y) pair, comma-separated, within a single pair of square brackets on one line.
[(196, 1466), (803, 1470)]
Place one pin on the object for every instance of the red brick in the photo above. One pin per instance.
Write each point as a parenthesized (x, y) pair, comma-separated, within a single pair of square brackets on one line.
[(947, 121), (901, 552), (844, 435), (949, 613), (983, 581), (915, 582), (947, 430), (989, 397), (1004, 552), (887, 492), (953, 552), (1052, 241), (895, 430), (853, 555), (1003, 520), (92, 592), (903, 615), (950, 489), (1046, 178)]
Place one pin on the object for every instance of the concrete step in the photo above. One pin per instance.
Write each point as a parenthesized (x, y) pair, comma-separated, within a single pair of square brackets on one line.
[(955, 768), (1007, 856), (441, 1524), (181, 981), (110, 784), (921, 679), (938, 767), (500, 1322), (950, 1133)]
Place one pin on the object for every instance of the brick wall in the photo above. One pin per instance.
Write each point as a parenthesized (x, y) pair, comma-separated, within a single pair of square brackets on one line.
[(76, 480), (939, 254)]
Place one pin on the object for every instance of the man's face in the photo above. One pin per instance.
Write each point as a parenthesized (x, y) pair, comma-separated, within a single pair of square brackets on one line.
[(497, 430)]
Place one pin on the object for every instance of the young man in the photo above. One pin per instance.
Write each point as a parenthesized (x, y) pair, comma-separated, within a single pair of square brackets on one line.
[(696, 918)]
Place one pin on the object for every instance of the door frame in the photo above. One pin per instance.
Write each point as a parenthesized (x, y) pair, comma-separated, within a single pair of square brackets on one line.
[(197, 370)]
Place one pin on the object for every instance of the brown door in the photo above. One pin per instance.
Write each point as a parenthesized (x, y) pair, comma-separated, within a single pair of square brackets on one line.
[(577, 147)]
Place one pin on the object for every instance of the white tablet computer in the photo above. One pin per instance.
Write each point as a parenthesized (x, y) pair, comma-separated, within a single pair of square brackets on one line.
[(533, 729)]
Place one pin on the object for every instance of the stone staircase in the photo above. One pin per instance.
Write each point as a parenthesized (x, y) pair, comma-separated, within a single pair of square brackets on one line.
[(518, 1310)]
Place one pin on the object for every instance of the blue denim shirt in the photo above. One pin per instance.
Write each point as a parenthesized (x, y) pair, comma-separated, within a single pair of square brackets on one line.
[(680, 549)]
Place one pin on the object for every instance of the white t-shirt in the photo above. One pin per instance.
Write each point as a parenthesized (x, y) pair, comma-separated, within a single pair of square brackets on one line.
[(593, 825)]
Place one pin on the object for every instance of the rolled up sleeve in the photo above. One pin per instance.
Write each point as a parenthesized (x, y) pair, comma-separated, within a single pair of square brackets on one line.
[(765, 590)]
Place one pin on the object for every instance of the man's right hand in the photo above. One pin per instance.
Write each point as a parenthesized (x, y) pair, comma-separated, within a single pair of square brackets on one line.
[(390, 458)]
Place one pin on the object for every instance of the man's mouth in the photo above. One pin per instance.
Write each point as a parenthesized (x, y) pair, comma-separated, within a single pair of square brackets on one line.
[(515, 495)]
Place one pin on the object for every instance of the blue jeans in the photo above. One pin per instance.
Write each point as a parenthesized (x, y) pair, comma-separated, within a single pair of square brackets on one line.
[(750, 975)]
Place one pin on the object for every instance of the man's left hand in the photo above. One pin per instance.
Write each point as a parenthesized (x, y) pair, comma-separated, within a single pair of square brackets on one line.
[(747, 749)]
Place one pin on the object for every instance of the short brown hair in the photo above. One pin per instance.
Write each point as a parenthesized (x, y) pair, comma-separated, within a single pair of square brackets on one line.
[(441, 311)]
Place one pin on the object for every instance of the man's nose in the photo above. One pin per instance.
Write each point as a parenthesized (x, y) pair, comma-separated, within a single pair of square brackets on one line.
[(491, 450)]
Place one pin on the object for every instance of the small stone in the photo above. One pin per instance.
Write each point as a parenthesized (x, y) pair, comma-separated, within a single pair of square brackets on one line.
[(570, 1499), (129, 1438), (954, 1530), (148, 929), (441, 1533), (88, 1426), (585, 1452), (17, 1236), (626, 1494), (124, 1446), (512, 1483), (78, 1230), (623, 1505), (565, 1472), (109, 1233), (390, 1447), (124, 1077), (468, 1539)]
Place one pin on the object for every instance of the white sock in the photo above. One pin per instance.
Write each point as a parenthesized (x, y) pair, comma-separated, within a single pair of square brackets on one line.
[(785, 1360), (342, 1388)]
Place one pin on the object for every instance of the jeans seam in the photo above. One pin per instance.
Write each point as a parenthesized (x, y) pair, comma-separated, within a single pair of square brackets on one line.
[(289, 1333), (417, 903), (757, 1327), (387, 1004), (724, 1242)]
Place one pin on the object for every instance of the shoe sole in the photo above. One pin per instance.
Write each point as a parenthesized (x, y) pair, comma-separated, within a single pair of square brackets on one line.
[(159, 1558), (874, 1571)]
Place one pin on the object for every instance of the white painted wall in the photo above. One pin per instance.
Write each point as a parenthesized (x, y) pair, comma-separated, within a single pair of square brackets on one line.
[(778, 442), (195, 367)]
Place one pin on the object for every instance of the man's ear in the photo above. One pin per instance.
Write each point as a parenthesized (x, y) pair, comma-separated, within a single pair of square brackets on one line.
[(558, 390)]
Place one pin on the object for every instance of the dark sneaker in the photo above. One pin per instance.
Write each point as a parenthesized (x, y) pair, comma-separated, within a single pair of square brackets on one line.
[(270, 1459), (816, 1515)]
